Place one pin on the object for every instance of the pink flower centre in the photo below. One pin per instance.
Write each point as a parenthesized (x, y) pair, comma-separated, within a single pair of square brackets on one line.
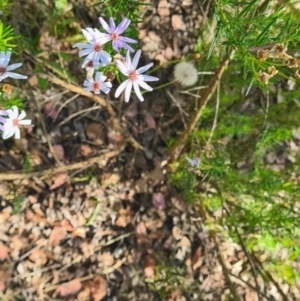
[(2, 70), (97, 47), (16, 122), (96, 86), (132, 76), (114, 36)]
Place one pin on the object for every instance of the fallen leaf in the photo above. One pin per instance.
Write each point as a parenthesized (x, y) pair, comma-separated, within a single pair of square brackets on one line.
[(38, 257), (98, 288), (66, 225), (51, 110), (17, 243), (32, 199), (84, 295), (122, 221), (115, 139), (59, 151), (149, 272), (158, 200), (176, 232), (95, 132), (57, 234), (34, 217), (110, 179), (58, 180), (5, 214), (141, 228), (33, 80), (69, 288), (174, 296), (168, 243), (184, 243), (79, 232), (2, 286), (149, 263), (4, 252), (107, 258), (150, 121), (85, 150), (251, 296)]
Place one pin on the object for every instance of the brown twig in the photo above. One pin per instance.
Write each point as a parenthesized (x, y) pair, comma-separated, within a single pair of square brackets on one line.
[(78, 90), (253, 269), (265, 273), (175, 151), (46, 173), (226, 275)]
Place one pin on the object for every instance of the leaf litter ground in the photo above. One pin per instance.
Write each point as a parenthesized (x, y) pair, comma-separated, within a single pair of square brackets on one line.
[(115, 229)]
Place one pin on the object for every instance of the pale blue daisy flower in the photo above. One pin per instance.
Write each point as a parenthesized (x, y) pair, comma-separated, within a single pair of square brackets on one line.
[(94, 49), (113, 34), (5, 69), (194, 162), (13, 122), (98, 84), (135, 76)]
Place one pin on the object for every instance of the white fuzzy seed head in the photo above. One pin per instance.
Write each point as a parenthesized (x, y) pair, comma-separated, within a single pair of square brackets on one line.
[(185, 73)]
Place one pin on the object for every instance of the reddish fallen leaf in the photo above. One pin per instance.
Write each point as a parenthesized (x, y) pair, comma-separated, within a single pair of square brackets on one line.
[(2, 286), (158, 200), (98, 288), (168, 243), (110, 179), (69, 288), (4, 252), (115, 139), (5, 214), (132, 110), (38, 257), (251, 296), (66, 225), (107, 258), (34, 217), (85, 150), (50, 110), (57, 234), (58, 180), (149, 121), (174, 296), (149, 263), (84, 294), (59, 151), (122, 221), (141, 228)]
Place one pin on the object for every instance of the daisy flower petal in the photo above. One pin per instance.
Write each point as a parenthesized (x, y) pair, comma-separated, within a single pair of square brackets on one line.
[(136, 59), (112, 24), (121, 88), (122, 26), (105, 25), (148, 78), (22, 115), (128, 91), (144, 85), (144, 68), (138, 91)]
